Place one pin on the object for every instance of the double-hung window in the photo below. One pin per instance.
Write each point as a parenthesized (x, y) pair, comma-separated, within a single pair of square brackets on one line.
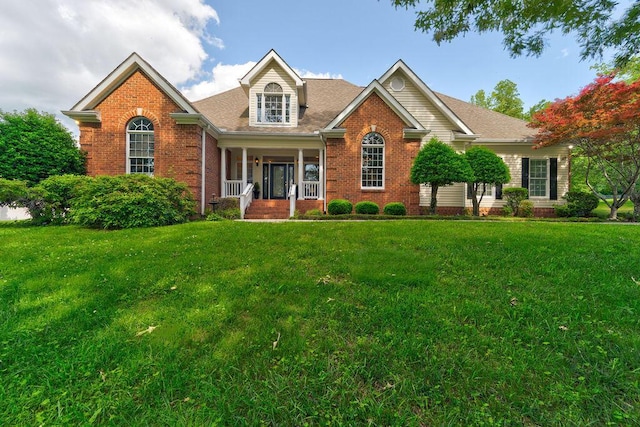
[(373, 161), (140, 146), (538, 177), (273, 105)]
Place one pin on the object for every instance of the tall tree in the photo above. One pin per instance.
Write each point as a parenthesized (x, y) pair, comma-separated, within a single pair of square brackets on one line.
[(504, 99), (482, 100), (34, 146), (488, 169), (602, 122), (438, 165), (525, 24), (541, 105)]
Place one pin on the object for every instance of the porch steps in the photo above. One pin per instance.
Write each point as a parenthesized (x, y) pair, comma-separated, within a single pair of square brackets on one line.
[(268, 209)]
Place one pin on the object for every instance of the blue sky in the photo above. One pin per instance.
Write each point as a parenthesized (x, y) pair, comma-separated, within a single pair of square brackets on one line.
[(205, 46), (360, 40)]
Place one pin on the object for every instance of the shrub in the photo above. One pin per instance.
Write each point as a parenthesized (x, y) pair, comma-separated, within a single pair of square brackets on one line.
[(226, 203), (13, 192), (129, 201), (313, 212), (513, 196), (395, 208), (525, 209), (50, 201), (231, 213), (367, 208), (562, 211), (580, 203), (339, 207), (507, 210)]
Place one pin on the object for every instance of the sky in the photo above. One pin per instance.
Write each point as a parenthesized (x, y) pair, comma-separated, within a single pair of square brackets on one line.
[(53, 52)]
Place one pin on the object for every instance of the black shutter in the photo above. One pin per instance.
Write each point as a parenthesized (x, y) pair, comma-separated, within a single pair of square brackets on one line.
[(553, 179), (469, 190), (525, 172), (498, 191)]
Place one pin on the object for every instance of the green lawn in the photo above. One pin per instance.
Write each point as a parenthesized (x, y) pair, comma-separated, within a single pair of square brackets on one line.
[(322, 323), (603, 210)]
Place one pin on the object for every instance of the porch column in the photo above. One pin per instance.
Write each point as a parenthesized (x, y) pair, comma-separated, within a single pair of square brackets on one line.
[(223, 172), (321, 174), (300, 174), (244, 168)]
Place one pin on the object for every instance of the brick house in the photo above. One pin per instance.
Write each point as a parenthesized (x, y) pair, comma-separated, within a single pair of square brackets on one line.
[(305, 142)]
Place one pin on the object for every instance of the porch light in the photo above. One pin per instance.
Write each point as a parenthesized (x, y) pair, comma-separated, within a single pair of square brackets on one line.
[(257, 161)]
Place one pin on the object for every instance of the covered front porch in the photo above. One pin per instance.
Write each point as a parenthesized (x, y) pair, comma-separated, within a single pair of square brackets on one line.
[(272, 171)]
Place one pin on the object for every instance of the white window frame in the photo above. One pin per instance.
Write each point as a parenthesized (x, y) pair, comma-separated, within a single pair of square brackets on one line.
[(273, 90), (363, 144), (141, 126), (546, 179), (490, 191)]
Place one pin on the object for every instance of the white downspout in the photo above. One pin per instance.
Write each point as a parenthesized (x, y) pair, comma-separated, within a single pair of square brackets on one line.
[(204, 170)]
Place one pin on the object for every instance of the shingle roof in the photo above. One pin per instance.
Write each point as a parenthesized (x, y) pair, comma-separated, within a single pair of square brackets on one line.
[(486, 123), (328, 97)]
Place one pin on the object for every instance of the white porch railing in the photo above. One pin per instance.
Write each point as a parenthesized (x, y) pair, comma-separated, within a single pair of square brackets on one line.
[(311, 189), (292, 200), (232, 188), (245, 199)]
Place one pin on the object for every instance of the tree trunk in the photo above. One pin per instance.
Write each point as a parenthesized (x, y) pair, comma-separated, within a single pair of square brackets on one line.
[(434, 199), (635, 199), (476, 205)]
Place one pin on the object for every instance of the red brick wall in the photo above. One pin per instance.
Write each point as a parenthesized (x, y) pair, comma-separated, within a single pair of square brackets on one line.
[(344, 158), (178, 148)]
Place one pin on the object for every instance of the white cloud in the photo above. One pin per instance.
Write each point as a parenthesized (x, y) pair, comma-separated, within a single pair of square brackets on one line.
[(564, 53), (222, 78), (55, 51), (306, 74)]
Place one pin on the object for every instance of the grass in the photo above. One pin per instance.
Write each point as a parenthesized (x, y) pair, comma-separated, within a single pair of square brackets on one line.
[(351, 323), (603, 211)]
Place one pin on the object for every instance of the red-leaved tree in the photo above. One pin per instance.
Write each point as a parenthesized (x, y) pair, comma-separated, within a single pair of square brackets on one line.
[(603, 123)]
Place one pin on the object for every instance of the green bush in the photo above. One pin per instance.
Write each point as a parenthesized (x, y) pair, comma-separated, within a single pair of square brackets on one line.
[(339, 207), (395, 208), (580, 203), (525, 209), (129, 201), (562, 211), (313, 212), (367, 208), (50, 200), (507, 210), (13, 192), (231, 213), (513, 196)]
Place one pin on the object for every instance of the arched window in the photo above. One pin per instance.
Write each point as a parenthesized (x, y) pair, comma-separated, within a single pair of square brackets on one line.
[(373, 160), (273, 106), (140, 146)]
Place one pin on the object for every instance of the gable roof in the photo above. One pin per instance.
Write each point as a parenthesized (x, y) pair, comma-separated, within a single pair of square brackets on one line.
[(377, 88), (326, 99), (83, 110), (428, 93), (266, 60)]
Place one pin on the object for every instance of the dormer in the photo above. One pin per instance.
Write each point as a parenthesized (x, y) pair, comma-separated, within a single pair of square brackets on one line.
[(275, 92)]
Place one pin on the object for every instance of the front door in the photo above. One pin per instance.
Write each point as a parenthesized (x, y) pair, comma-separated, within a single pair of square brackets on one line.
[(277, 177)]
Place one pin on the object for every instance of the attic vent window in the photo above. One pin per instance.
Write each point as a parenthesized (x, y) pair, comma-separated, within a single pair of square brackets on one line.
[(273, 106), (397, 84)]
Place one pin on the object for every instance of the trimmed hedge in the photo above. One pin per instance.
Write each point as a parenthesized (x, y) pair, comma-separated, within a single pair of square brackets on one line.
[(395, 209), (513, 196), (367, 208), (339, 207)]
